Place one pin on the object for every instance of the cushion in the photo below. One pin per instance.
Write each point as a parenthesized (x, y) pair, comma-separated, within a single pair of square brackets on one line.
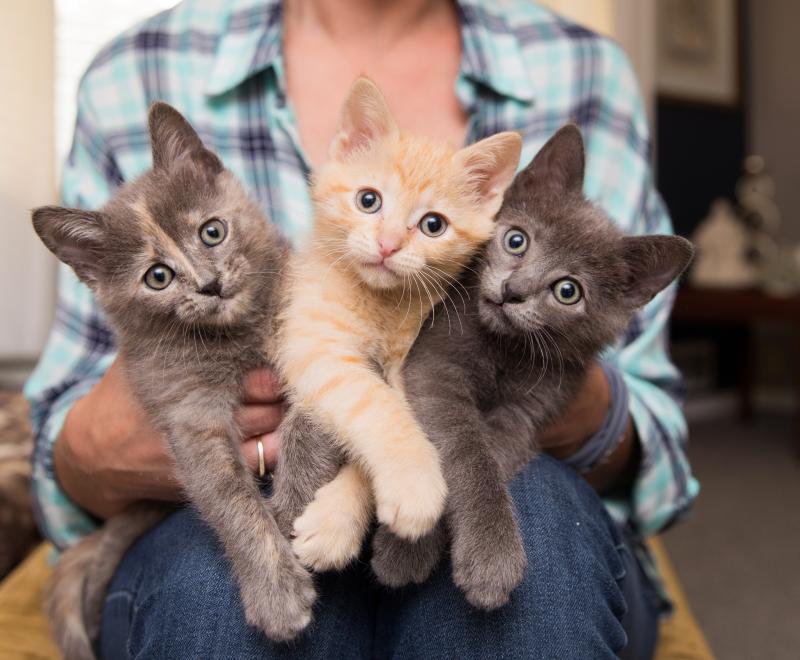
[(679, 636), (23, 627)]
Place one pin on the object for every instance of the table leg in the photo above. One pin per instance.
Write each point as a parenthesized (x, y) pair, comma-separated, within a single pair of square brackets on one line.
[(746, 372), (796, 375)]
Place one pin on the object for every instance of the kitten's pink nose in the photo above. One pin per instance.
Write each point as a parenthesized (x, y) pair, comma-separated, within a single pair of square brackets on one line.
[(387, 246)]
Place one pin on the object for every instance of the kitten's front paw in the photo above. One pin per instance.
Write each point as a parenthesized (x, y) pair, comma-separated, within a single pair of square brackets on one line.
[(281, 603), (410, 501), (327, 536), (398, 562), (489, 569)]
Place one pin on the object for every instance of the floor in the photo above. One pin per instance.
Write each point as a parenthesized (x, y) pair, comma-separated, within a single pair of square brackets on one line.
[(738, 556)]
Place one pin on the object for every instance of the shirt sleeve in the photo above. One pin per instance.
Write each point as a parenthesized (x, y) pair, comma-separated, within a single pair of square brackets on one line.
[(620, 178), (80, 347)]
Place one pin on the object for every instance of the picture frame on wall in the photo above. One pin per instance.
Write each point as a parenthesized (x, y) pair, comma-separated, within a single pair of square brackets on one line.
[(697, 51)]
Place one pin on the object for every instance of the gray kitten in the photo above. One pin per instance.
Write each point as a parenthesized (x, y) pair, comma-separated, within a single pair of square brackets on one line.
[(557, 284), (188, 272)]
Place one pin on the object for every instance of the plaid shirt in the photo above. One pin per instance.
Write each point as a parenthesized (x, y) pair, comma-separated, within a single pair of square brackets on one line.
[(220, 63)]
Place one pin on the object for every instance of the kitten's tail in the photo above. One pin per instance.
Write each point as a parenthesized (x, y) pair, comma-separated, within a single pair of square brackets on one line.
[(75, 595)]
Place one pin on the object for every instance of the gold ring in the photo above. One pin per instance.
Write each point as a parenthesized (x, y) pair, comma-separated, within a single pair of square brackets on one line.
[(262, 468)]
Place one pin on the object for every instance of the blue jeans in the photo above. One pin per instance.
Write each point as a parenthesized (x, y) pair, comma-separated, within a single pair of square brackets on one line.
[(583, 596)]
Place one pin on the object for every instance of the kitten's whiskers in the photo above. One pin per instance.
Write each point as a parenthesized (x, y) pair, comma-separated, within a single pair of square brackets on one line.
[(557, 350), (440, 293), (418, 275), (453, 285)]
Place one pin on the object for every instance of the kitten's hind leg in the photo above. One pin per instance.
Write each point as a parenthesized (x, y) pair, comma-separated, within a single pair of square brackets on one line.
[(76, 592), (398, 562), (308, 459), (331, 530)]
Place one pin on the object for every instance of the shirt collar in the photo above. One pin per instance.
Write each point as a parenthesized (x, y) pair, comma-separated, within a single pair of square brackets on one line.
[(252, 42), (491, 52)]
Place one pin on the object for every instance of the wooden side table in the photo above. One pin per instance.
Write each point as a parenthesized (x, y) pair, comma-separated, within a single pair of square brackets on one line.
[(743, 308)]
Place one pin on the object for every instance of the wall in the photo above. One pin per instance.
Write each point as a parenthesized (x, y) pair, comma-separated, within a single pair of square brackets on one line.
[(630, 22), (48, 44), (27, 273), (774, 114), (766, 123), (699, 157), (634, 28), (701, 147), (595, 14)]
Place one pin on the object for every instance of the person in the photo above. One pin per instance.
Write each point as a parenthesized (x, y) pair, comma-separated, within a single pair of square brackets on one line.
[(262, 81)]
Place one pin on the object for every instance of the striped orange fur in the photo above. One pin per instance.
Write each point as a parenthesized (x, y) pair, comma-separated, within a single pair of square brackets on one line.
[(360, 290)]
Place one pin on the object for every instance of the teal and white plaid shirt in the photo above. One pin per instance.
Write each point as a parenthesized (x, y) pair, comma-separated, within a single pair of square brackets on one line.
[(220, 63)]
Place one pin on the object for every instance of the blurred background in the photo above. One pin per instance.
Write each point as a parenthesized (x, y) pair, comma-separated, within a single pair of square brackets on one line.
[(721, 80)]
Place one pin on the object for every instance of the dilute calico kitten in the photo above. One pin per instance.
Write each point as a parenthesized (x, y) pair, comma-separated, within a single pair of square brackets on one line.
[(557, 284), (397, 218), (189, 274)]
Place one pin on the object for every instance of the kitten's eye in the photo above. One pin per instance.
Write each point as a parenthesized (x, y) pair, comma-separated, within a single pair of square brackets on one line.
[(159, 276), (433, 225), (213, 232), (368, 200), (515, 242), (567, 291)]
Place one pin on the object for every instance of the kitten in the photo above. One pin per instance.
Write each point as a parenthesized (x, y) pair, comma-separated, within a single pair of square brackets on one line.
[(557, 284), (397, 219), (189, 274)]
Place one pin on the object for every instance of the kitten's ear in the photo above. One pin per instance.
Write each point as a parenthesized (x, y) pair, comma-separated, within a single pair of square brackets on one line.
[(559, 166), (365, 119), (173, 138), (653, 263), (489, 167), (75, 236)]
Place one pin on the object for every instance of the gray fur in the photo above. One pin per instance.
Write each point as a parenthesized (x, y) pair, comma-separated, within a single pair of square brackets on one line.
[(308, 458), (186, 355), (483, 393)]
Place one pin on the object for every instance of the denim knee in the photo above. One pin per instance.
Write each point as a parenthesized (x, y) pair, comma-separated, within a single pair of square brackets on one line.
[(607, 550), (569, 605), (173, 585), (575, 551), (558, 509), (173, 596)]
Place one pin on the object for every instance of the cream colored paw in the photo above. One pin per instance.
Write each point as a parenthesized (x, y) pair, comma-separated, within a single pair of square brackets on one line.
[(327, 536), (410, 502)]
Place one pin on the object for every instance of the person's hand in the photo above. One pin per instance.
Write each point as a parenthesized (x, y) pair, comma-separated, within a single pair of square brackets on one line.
[(582, 419), (108, 456), (260, 416)]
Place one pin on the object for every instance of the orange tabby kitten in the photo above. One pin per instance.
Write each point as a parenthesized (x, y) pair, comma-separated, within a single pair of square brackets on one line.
[(398, 217)]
